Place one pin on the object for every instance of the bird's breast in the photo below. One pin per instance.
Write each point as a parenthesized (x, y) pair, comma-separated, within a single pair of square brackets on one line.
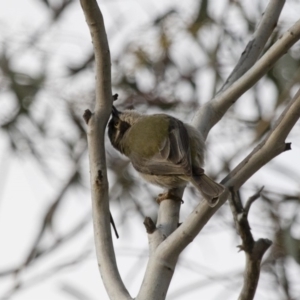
[(145, 137)]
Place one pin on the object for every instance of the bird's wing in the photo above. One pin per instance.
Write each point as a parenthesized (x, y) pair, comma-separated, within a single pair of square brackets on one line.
[(173, 157)]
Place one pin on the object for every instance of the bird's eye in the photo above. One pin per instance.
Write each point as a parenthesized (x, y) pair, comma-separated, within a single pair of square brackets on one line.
[(117, 124)]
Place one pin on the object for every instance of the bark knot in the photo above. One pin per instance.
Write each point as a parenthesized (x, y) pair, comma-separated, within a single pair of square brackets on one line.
[(99, 178), (87, 115)]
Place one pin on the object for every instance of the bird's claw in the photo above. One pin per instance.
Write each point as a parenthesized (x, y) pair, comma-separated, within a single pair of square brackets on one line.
[(168, 196)]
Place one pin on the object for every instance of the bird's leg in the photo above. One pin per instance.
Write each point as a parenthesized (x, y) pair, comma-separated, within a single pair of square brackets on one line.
[(169, 195)]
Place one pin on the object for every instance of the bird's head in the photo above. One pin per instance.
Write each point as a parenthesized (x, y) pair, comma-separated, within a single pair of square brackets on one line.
[(118, 125)]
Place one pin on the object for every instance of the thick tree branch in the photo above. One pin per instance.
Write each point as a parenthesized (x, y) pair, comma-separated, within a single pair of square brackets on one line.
[(157, 277), (168, 214), (211, 112), (156, 287), (96, 128)]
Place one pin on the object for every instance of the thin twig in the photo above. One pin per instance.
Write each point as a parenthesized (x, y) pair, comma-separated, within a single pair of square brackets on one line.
[(252, 199)]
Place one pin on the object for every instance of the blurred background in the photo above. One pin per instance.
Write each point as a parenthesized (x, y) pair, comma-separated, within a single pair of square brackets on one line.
[(167, 56)]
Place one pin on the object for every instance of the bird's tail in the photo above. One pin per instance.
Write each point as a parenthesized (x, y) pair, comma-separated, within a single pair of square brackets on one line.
[(210, 189)]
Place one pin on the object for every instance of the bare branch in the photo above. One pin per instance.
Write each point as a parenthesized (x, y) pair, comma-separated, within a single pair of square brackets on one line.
[(259, 40), (95, 22), (158, 277), (270, 147), (168, 216), (210, 113), (96, 128), (164, 251), (254, 250), (252, 199), (156, 287), (252, 270)]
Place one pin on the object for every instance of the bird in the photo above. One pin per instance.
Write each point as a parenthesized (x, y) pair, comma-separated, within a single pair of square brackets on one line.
[(164, 151)]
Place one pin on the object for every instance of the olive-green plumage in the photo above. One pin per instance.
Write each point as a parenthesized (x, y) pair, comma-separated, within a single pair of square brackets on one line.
[(164, 150), (155, 129)]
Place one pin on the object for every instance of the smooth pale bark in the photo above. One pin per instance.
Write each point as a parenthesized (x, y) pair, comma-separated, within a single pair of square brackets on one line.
[(212, 112), (96, 128), (255, 47), (167, 241)]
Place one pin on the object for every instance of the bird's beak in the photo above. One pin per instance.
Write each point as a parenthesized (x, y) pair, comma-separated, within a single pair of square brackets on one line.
[(115, 113)]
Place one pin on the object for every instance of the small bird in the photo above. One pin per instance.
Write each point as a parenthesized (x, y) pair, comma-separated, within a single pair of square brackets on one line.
[(164, 150)]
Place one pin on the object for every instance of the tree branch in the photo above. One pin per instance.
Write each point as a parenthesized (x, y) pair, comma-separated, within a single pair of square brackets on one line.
[(163, 260), (164, 251), (252, 271), (251, 200), (211, 112), (254, 250), (159, 271), (270, 147), (258, 42), (96, 128)]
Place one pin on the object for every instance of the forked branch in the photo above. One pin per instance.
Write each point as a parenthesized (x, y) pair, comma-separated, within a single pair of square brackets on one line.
[(212, 112), (254, 250)]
